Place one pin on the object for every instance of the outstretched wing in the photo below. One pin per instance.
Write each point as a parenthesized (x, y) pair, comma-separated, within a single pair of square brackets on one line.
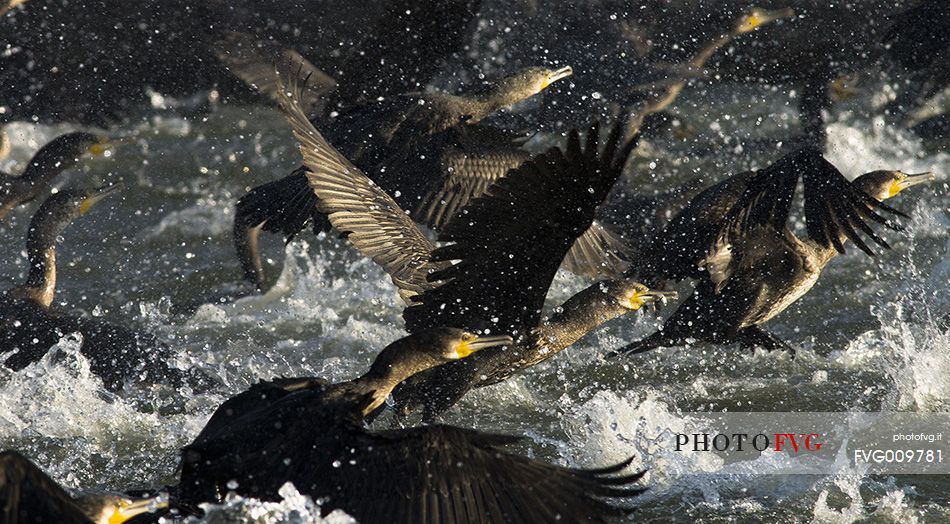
[(440, 474), (477, 157), (372, 220), (254, 60), (510, 242), (834, 208), (600, 252), (29, 495)]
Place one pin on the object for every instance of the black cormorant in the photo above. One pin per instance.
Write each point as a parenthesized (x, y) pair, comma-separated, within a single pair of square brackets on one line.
[(509, 244), (28, 495), (734, 240), (29, 326), (311, 433), (58, 155)]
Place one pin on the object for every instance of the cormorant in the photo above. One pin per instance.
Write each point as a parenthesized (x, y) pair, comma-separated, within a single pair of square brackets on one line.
[(311, 433), (58, 155), (734, 240), (29, 326), (418, 151), (28, 495), (509, 244), (655, 97)]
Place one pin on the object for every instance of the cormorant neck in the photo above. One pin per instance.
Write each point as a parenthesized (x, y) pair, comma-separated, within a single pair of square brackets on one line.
[(704, 54), (40, 284), (389, 369), (578, 316), (492, 99)]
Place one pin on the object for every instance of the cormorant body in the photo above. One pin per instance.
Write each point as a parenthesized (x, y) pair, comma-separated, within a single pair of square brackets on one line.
[(509, 243), (311, 433), (750, 266)]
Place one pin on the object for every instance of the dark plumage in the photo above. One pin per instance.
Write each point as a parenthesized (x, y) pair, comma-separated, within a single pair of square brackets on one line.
[(429, 152), (58, 155), (29, 327), (509, 243), (734, 239), (311, 433), (28, 495)]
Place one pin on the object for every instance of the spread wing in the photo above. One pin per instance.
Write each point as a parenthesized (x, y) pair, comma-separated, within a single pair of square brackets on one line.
[(439, 474), (834, 208), (599, 252), (254, 62), (29, 495), (510, 242), (356, 206), (478, 157)]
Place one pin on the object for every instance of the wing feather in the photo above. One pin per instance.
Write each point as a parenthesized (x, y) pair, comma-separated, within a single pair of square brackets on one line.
[(510, 242), (374, 222)]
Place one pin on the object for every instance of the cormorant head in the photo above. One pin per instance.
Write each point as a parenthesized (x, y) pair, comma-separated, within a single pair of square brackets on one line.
[(64, 206), (757, 17), (446, 344), (885, 184), (530, 81), (430, 348), (73, 145), (115, 509), (634, 295)]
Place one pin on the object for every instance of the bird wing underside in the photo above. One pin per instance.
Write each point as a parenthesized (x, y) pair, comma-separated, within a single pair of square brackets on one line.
[(600, 253), (510, 242), (834, 208), (29, 495), (439, 474), (474, 160), (356, 206), (255, 62), (283, 206)]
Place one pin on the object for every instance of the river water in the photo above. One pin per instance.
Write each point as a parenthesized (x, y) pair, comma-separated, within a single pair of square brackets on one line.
[(874, 334)]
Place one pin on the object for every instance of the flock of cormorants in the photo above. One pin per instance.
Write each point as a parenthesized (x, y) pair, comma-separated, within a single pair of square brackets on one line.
[(384, 172)]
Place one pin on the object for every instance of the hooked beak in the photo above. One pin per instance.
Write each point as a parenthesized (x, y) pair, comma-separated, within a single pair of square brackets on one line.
[(913, 180), (97, 196), (556, 75), (131, 509), (489, 342)]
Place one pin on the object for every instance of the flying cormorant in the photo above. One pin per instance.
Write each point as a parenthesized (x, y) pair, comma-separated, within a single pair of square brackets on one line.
[(509, 244), (311, 433), (734, 240)]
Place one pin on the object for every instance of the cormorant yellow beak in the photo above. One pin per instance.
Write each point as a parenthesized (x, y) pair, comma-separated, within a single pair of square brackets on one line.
[(100, 147), (96, 197), (759, 17), (905, 180), (469, 346), (649, 296), (128, 509), (556, 75)]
